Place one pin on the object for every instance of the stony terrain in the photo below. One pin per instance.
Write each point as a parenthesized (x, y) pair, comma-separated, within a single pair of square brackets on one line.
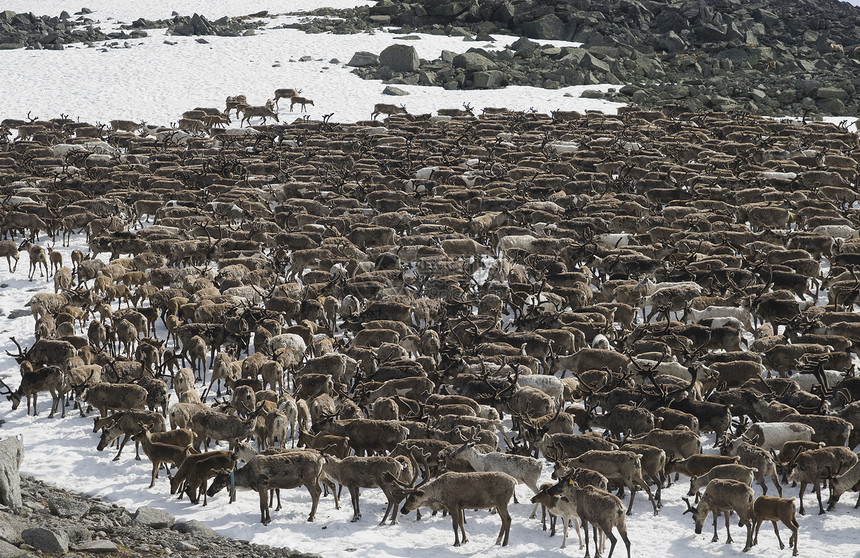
[(764, 57), (55, 521)]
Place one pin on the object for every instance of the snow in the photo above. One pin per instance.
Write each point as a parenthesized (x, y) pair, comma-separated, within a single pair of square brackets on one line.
[(156, 82)]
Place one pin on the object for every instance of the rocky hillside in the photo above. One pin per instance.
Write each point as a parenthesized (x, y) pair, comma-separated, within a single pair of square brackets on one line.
[(53, 521), (766, 56)]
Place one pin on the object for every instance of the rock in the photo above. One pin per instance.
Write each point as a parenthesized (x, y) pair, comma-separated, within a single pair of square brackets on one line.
[(152, 517), (195, 528), (10, 550), (362, 59), (201, 25), (182, 29), (807, 87), (593, 94), (19, 313), (11, 527), (182, 545), (524, 47), (97, 547), (47, 540), (473, 62), (400, 58), (384, 7), (11, 456), (591, 62), (831, 93), (548, 27), (488, 80), (202, 41), (833, 106), (396, 91), (68, 507)]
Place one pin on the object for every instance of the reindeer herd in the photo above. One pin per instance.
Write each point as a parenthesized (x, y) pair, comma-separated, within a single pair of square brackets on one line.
[(387, 297)]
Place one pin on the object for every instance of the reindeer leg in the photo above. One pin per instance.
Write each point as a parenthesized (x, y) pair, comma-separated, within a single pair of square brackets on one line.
[(716, 536), (455, 520), (587, 547), (728, 531), (800, 497), (505, 531), (818, 494), (354, 495), (776, 530), (632, 496), (641, 482)]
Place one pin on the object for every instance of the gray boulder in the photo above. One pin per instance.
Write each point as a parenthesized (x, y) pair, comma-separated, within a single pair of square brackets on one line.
[(833, 106), (591, 62), (11, 456), (473, 62), (68, 507), (547, 27), (488, 80), (10, 550), (97, 547), (831, 93), (400, 58), (153, 517), (671, 42), (47, 540), (362, 59), (195, 528), (395, 91)]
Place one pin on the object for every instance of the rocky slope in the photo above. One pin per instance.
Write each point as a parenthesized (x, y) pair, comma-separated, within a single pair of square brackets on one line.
[(765, 56), (54, 521)]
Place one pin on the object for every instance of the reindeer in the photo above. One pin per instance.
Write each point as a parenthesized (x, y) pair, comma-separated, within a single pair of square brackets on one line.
[(38, 258), (725, 495), (265, 111), (457, 492), (282, 470), (9, 250), (286, 94), (300, 101), (770, 508), (48, 378), (382, 108)]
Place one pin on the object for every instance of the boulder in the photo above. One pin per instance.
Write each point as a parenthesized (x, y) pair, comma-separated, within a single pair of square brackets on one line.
[(68, 507), (833, 106), (524, 47), (831, 93), (591, 62), (807, 87), (362, 59), (11, 456), (11, 551), (547, 27), (195, 528), (473, 62), (395, 91), (488, 80), (400, 58), (671, 42), (47, 540), (153, 517), (97, 547)]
